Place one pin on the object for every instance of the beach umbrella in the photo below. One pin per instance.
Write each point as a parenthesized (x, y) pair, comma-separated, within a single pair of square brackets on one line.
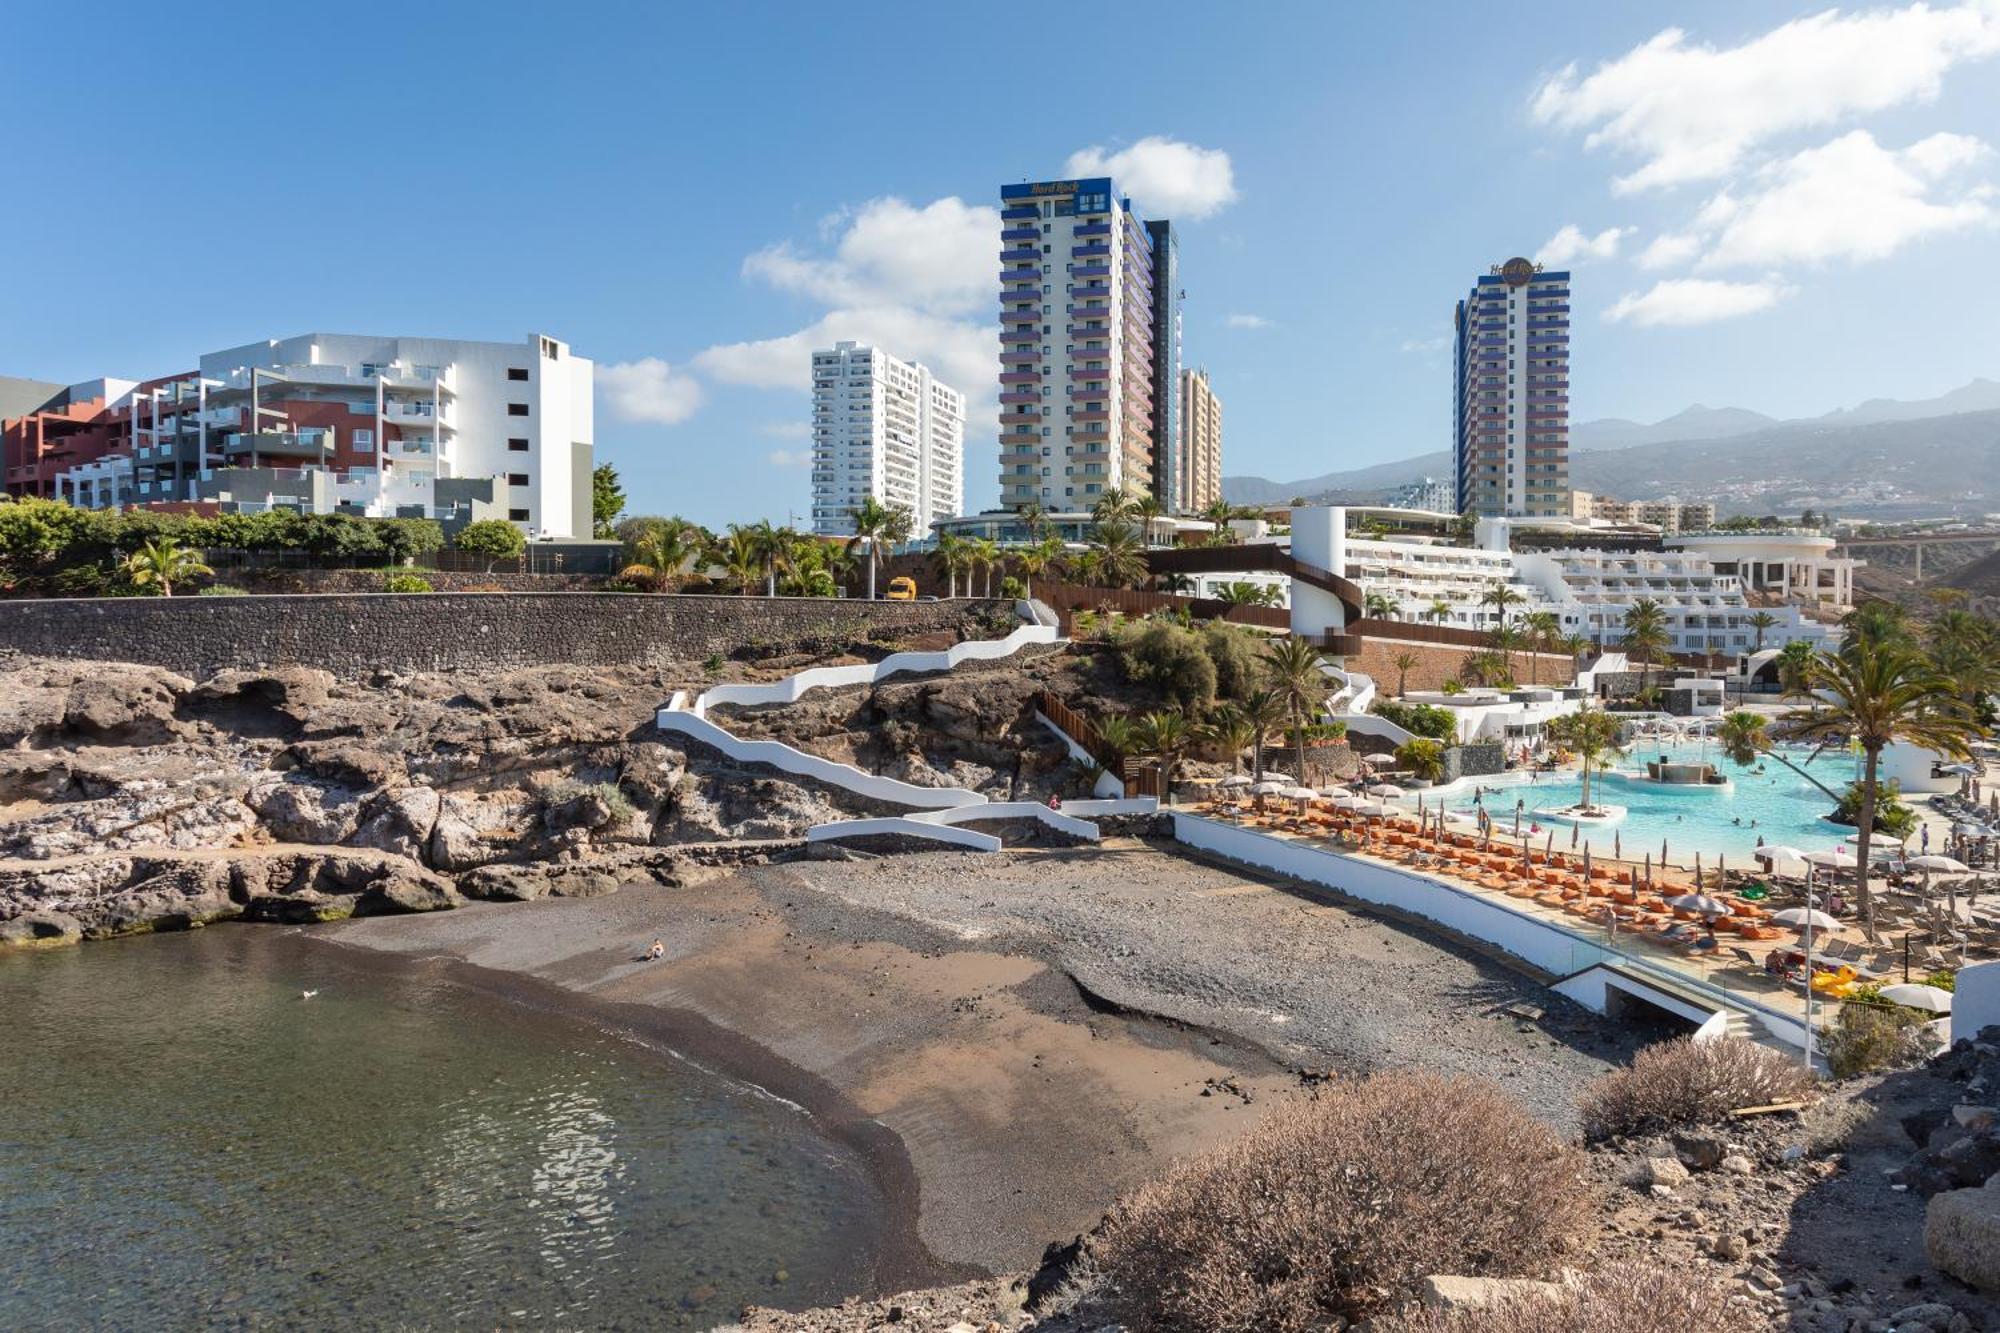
[(1836, 856), (1349, 802), (1586, 862), (1963, 770), (1649, 867), (1663, 851), (1701, 904), (1388, 791), (1943, 864), (1915, 995), (1300, 793), (1235, 780), (1697, 867), (1969, 830), (1574, 830), (1378, 760), (1617, 845), (1269, 787), (1549, 847), (1799, 918)]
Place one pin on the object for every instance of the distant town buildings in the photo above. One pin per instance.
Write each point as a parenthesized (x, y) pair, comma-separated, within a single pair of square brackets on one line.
[(1197, 451), (329, 423), (1431, 494), (1668, 515), (1089, 347), (887, 428), (1511, 405)]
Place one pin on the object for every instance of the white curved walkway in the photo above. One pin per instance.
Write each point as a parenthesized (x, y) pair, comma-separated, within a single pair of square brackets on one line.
[(940, 810)]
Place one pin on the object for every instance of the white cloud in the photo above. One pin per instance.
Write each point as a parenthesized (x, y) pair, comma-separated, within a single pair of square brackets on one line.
[(1669, 249), (1571, 244), (787, 430), (1678, 302), (1247, 322), (1425, 346), (1693, 112), (789, 458), (1165, 177), (942, 257), (963, 354), (1849, 199), (648, 390)]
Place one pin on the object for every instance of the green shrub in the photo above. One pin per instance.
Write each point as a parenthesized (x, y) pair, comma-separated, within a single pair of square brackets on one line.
[(1169, 659), (1426, 720), (1422, 756), (1892, 817), (1334, 1208), (494, 538), (1870, 1035), (1945, 978), (1238, 655), (1012, 587), (1680, 1083), (222, 590), (406, 583), (1453, 687)]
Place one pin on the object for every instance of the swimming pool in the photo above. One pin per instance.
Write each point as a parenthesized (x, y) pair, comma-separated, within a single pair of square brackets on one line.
[(1776, 804)]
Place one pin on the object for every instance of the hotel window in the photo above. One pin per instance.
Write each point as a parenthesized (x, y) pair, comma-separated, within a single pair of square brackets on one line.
[(517, 515), (517, 373), (517, 479), (517, 409)]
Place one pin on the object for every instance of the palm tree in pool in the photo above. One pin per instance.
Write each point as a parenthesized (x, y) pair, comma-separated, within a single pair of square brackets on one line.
[(1877, 691), (1380, 606), (1405, 663), (1645, 636), (163, 562), (1164, 734), (1500, 597), (1542, 630), (1590, 733), (1298, 673)]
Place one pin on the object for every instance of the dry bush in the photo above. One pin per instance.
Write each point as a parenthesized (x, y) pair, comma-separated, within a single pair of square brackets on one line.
[(1868, 1037), (1626, 1298), (1685, 1082), (1339, 1205)]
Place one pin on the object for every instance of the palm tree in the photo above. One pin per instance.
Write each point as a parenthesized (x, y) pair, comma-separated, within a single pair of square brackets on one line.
[(1405, 663), (876, 524), (1760, 622), (1244, 593), (1876, 622), (1036, 517), (1507, 640), (1881, 690), (1967, 649), (773, 545), (662, 549), (1440, 610), (1645, 636), (985, 558), (1746, 736), (1111, 504), (1500, 596), (1228, 729), (1380, 606), (1795, 661), (1116, 733), (1217, 513), (1576, 645), (954, 553), (1036, 557), (1542, 629), (163, 562), (1263, 712), (1298, 673), (741, 555), (1118, 560), (1590, 733), (1148, 510), (1166, 735)]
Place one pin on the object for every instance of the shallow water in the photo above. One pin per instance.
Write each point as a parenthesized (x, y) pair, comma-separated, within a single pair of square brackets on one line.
[(186, 1142)]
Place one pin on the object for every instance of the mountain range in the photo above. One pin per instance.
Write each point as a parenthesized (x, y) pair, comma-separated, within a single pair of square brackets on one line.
[(1885, 458)]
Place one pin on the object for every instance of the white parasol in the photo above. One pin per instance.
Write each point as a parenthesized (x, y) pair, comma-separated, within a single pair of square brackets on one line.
[(1799, 918), (1914, 995)]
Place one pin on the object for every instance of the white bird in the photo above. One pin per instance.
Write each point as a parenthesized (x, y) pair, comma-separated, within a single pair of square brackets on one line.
[(307, 994)]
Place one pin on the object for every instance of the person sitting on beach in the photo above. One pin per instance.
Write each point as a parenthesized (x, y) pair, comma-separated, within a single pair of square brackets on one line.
[(1055, 801), (657, 951)]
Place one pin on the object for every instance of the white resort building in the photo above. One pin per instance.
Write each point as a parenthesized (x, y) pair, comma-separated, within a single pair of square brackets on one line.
[(885, 428)]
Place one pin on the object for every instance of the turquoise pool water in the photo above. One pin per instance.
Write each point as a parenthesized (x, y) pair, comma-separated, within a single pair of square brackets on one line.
[(1776, 804)]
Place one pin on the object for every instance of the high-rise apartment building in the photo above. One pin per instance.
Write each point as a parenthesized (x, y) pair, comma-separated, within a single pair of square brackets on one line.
[(1169, 485), (886, 428), (1197, 455), (1511, 408), (330, 423), (1078, 390)]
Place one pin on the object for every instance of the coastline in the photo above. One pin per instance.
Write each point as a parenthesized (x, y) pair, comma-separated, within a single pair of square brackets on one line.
[(1027, 1071)]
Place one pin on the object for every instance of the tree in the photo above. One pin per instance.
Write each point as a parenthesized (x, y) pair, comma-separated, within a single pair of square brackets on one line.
[(773, 546), (1217, 513), (1036, 517), (1876, 622), (1036, 557), (1229, 730), (1380, 606), (1117, 558), (607, 501), (1760, 622), (1440, 610), (1576, 645), (1405, 663), (494, 538), (1112, 504), (1794, 664), (954, 555), (659, 550), (1645, 636), (740, 552), (163, 562), (1542, 629), (1298, 673), (1590, 734), (875, 524), (1746, 737), (1148, 510), (985, 557), (1501, 596), (1245, 593), (1166, 735), (1422, 756), (1879, 691), (1263, 712)]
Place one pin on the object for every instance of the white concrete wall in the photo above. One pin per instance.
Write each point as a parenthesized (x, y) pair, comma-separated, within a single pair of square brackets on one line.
[(1975, 1002), (778, 755), (1319, 537), (792, 688), (907, 827)]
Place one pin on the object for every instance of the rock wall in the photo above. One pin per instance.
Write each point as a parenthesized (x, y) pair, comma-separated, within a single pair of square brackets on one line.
[(1437, 663), (353, 634)]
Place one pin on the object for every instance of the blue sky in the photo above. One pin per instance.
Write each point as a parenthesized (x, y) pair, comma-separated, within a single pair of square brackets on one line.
[(1800, 203)]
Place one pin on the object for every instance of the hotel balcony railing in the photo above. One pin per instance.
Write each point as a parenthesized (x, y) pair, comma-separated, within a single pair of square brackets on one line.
[(1016, 285), (1088, 331), (1023, 254), (1091, 271), (1094, 229), (1013, 458), (1019, 213), (1018, 396), (1089, 311), (1087, 376), (1086, 417), (1018, 317), (1019, 358), (1020, 377), (1018, 233), (1083, 395), (1091, 251), (1089, 292)]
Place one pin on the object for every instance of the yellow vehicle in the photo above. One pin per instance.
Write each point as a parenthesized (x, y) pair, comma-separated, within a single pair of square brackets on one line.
[(902, 588)]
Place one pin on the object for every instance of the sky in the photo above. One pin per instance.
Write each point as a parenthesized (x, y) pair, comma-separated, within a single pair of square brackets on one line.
[(1764, 205)]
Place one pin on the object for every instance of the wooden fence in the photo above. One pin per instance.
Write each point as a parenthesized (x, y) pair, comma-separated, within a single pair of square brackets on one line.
[(1140, 778)]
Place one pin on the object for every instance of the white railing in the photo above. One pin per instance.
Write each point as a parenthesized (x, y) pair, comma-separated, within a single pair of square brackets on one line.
[(792, 688)]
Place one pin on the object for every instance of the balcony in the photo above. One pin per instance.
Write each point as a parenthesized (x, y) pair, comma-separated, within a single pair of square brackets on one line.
[(1082, 271), (1020, 377), (313, 443), (1089, 311), (1090, 395), (1090, 292), (1084, 376), (1088, 331), (1023, 282), (1020, 396), (1094, 229), (1018, 214), (1024, 254), (1093, 414), (1019, 358), (1029, 315), (1094, 250)]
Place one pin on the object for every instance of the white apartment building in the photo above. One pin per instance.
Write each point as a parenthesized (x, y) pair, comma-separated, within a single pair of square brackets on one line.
[(883, 427), (382, 427), (1198, 478), (1077, 331), (1705, 611), (1797, 564)]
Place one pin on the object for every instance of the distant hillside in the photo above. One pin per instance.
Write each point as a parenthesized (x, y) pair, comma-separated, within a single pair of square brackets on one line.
[(1696, 423)]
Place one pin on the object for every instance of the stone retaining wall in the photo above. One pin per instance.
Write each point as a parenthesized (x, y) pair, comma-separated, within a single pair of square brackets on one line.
[(354, 634), (1436, 663)]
